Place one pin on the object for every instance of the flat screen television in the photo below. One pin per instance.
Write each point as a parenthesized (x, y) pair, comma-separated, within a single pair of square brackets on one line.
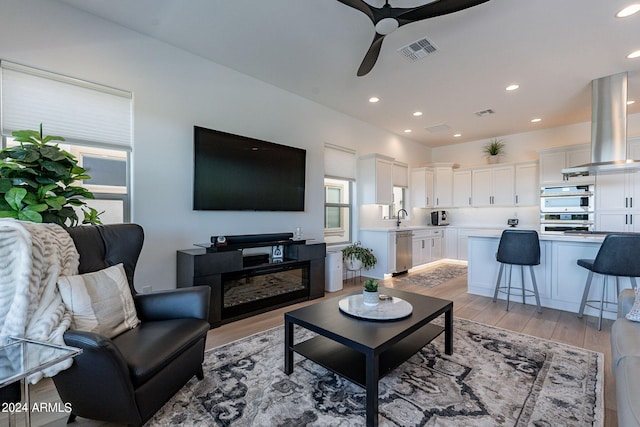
[(238, 173)]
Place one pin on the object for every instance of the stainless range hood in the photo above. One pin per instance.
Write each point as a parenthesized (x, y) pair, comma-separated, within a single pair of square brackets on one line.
[(608, 128)]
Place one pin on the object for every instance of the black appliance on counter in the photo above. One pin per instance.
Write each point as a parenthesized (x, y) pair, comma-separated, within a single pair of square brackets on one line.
[(439, 218)]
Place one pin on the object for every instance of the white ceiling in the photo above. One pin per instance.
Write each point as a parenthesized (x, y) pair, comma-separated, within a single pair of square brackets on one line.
[(551, 48)]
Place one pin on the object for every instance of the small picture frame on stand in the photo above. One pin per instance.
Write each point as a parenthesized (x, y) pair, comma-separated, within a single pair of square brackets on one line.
[(277, 253)]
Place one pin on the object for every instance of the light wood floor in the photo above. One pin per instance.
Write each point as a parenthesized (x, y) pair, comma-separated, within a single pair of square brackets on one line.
[(551, 324)]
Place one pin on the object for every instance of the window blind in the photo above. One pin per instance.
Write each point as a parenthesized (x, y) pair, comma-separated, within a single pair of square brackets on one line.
[(79, 111), (339, 162)]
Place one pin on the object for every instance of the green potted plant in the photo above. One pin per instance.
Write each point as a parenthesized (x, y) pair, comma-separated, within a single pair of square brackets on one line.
[(355, 257), (370, 294), (36, 182), (493, 149)]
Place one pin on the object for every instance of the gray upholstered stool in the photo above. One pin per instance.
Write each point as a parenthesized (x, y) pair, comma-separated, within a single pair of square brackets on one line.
[(619, 256), (518, 247)]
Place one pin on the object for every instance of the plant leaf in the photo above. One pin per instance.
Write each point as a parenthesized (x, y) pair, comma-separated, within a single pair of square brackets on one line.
[(28, 215), (41, 207), (14, 197), (9, 214)]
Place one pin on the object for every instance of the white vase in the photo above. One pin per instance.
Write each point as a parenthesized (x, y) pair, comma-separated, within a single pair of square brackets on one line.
[(493, 159), (370, 298), (353, 264)]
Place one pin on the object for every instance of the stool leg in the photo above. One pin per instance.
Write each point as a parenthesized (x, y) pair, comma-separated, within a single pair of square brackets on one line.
[(509, 285), (495, 293), (535, 289), (585, 294), (522, 282), (604, 289)]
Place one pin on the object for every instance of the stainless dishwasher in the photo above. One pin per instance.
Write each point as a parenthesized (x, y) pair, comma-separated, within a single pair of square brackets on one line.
[(404, 251)]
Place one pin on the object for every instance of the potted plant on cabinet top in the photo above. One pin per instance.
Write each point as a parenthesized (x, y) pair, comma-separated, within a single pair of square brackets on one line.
[(355, 257), (493, 149), (370, 294), (37, 182)]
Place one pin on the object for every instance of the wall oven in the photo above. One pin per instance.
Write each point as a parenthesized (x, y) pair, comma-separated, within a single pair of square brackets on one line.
[(568, 208)]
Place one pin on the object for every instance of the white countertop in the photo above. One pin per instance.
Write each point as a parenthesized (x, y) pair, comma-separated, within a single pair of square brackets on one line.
[(405, 228), (585, 238)]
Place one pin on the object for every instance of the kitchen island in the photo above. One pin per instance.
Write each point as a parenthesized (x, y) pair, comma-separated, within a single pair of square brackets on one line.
[(560, 280)]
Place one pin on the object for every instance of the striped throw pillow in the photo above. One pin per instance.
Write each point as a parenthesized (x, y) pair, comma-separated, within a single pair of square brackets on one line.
[(100, 302)]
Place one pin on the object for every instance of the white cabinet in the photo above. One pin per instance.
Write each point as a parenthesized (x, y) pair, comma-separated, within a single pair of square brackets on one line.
[(443, 186), (618, 201), (450, 240), (552, 161), (493, 186), (462, 188), (400, 175), (527, 188), (376, 180), (422, 187), (427, 246)]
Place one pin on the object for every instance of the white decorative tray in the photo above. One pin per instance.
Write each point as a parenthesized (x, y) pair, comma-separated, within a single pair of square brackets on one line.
[(389, 309)]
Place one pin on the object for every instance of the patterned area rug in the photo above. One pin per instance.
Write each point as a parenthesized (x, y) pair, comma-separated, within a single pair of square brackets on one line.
[(436, 276), (494, 378)]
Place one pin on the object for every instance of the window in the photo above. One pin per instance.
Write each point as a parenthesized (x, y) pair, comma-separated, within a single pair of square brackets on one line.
[(391, 211), (108, 183), (337, 211), (95, 120)]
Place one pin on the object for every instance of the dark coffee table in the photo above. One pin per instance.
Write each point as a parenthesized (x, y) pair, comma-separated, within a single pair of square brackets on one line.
[(364, 351)]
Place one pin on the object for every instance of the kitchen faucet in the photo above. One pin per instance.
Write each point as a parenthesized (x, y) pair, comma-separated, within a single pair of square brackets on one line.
[(398, 216)]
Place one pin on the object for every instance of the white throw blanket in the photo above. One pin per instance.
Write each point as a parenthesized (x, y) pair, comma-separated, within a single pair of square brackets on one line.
[(32, 256)]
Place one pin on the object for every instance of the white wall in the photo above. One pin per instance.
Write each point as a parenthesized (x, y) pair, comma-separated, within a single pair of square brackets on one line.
[(523, 146), (174, 90)]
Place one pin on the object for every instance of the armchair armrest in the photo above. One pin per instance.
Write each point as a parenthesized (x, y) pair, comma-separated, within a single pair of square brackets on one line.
[(174, 304), (625, 301)]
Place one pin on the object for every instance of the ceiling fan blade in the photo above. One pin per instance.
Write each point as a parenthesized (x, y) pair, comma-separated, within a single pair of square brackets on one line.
[(437, 8), (359, 5), (372, 55)]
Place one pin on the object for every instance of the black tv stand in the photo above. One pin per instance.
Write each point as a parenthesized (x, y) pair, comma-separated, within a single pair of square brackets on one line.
[(242, 284)]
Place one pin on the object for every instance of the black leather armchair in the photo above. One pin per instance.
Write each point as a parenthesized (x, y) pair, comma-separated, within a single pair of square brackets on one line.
[(126, 379)]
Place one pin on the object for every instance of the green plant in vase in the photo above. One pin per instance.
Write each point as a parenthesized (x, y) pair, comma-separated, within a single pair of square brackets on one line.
[(493, 149), (36, 182), (355, 257), (370, 294)]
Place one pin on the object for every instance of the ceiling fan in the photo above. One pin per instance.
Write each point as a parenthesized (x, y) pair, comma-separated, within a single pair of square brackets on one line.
[(387, 19)]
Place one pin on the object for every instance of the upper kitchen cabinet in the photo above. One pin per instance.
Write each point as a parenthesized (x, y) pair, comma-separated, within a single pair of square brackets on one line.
[(462, 188), (400, 175), (443, 183), (553, 160), (422, 187), (376, 179), (493, 186), (527, 186)]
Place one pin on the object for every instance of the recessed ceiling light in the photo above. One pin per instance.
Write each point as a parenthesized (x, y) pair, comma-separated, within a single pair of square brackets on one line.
[(374, 99), (536, 120), (628, 11), (457, 135), (417, 113), (634, 55), (407, 131), (512, 87), (631, 102)]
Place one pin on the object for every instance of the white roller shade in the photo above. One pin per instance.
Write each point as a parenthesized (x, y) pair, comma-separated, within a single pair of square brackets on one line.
[(79, 111), (339, 162), (400, 174)]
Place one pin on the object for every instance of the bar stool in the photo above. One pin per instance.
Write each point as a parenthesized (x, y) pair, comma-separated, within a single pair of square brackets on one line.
[(618, 256), (518, 247)]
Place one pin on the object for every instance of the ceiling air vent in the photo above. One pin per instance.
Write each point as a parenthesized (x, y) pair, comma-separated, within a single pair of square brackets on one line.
[(486, 112), (438, 128), (417, 50)]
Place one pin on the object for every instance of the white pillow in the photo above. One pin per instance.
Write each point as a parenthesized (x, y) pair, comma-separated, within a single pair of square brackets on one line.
[(634, 313), (100, 302)]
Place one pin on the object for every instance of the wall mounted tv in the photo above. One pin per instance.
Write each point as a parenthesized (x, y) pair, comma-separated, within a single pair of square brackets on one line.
[(238, 173)]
